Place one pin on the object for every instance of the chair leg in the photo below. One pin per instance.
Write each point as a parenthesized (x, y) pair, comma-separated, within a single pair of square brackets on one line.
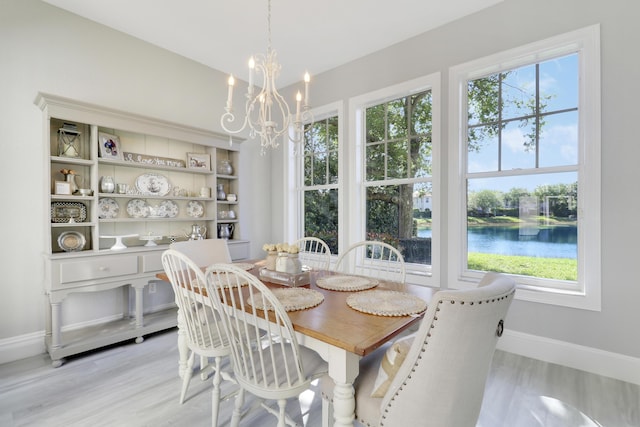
[(237, 409), (327, 411), (215, 393), (204, 363), (188, 373), (282, 415)]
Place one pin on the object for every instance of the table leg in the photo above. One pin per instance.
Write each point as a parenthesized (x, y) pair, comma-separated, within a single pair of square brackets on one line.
[(343, 369)]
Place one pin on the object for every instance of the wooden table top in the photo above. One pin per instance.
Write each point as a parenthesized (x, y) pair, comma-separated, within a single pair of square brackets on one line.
[(335, 323)]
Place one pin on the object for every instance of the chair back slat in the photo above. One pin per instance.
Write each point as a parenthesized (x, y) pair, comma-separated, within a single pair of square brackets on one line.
[(373, 259), (314, 253), (265, 352), (205, 333)]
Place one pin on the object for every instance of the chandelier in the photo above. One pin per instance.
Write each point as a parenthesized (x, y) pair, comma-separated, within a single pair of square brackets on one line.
[(266, 112)]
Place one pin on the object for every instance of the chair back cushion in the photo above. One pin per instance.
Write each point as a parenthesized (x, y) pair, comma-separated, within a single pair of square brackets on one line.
[(442, 381), (204, 252)]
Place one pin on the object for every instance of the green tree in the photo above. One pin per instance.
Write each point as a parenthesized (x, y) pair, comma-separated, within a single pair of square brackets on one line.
[(485, 202), (559, 200), (512, 197), (489, 98), (398, 147)]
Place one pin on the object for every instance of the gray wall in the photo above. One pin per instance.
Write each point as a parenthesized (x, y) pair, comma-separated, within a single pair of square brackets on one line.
[(45, 49), (514, 23)]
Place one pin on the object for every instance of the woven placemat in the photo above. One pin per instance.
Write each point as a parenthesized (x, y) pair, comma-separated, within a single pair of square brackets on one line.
[(386, 303), (243, 265), (292, 299), (342, 282)]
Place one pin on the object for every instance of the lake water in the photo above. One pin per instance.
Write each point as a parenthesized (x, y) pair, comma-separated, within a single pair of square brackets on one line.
[(552, 242)]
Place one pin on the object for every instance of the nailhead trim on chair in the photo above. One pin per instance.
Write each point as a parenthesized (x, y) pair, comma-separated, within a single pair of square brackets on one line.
[(424, 344)]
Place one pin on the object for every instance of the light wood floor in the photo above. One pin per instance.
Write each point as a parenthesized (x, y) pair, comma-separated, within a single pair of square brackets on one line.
[(137, 385)]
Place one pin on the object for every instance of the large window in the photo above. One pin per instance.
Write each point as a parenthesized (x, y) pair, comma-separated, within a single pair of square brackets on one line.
[(391, 185), (398, 168), (319, 190), (527, 168)]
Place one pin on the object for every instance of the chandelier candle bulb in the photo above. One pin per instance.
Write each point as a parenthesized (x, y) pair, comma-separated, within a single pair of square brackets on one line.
[(252, 65), (298, 99), (230, 95), (307, 78)]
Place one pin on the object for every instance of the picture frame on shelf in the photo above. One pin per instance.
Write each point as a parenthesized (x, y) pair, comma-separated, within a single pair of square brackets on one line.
[(110, 147), (62, 188), (199, 161)]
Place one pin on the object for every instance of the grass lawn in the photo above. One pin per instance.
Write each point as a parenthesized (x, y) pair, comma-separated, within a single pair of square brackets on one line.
[(548, 268)]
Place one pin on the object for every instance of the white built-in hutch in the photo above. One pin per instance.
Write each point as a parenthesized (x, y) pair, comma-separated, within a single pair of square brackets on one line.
[(165, 179)]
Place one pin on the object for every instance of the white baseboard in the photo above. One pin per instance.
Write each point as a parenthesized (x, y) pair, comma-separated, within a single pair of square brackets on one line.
[(593, 360), (21, 347)]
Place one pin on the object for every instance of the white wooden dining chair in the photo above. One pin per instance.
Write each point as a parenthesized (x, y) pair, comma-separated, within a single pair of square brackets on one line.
[(277, 368), (314, 253), (201, 323), (203, 253), (435, 377), (372, 259)]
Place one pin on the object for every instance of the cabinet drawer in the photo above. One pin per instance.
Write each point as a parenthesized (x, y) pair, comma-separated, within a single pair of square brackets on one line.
[(76, 271), (152, 262)]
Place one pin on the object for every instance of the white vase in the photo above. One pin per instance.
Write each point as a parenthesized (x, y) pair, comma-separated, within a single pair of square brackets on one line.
[(288, 263)]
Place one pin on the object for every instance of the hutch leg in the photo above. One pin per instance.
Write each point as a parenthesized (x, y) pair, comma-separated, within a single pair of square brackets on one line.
[(55, 325), (47, 318), (139, 300)]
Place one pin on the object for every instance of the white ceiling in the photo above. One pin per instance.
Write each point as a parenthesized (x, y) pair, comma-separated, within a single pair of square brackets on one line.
[(308, 36)]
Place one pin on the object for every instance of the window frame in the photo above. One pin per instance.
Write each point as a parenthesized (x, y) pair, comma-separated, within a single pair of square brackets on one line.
[(356, 178), (586, 293), (294, 179)]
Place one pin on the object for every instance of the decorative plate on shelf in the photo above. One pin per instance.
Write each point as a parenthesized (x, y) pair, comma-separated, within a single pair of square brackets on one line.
[(152, 184), (137, 208), (71, 241), (195, 209), (166, 209), (64, 211), (108, 208)]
